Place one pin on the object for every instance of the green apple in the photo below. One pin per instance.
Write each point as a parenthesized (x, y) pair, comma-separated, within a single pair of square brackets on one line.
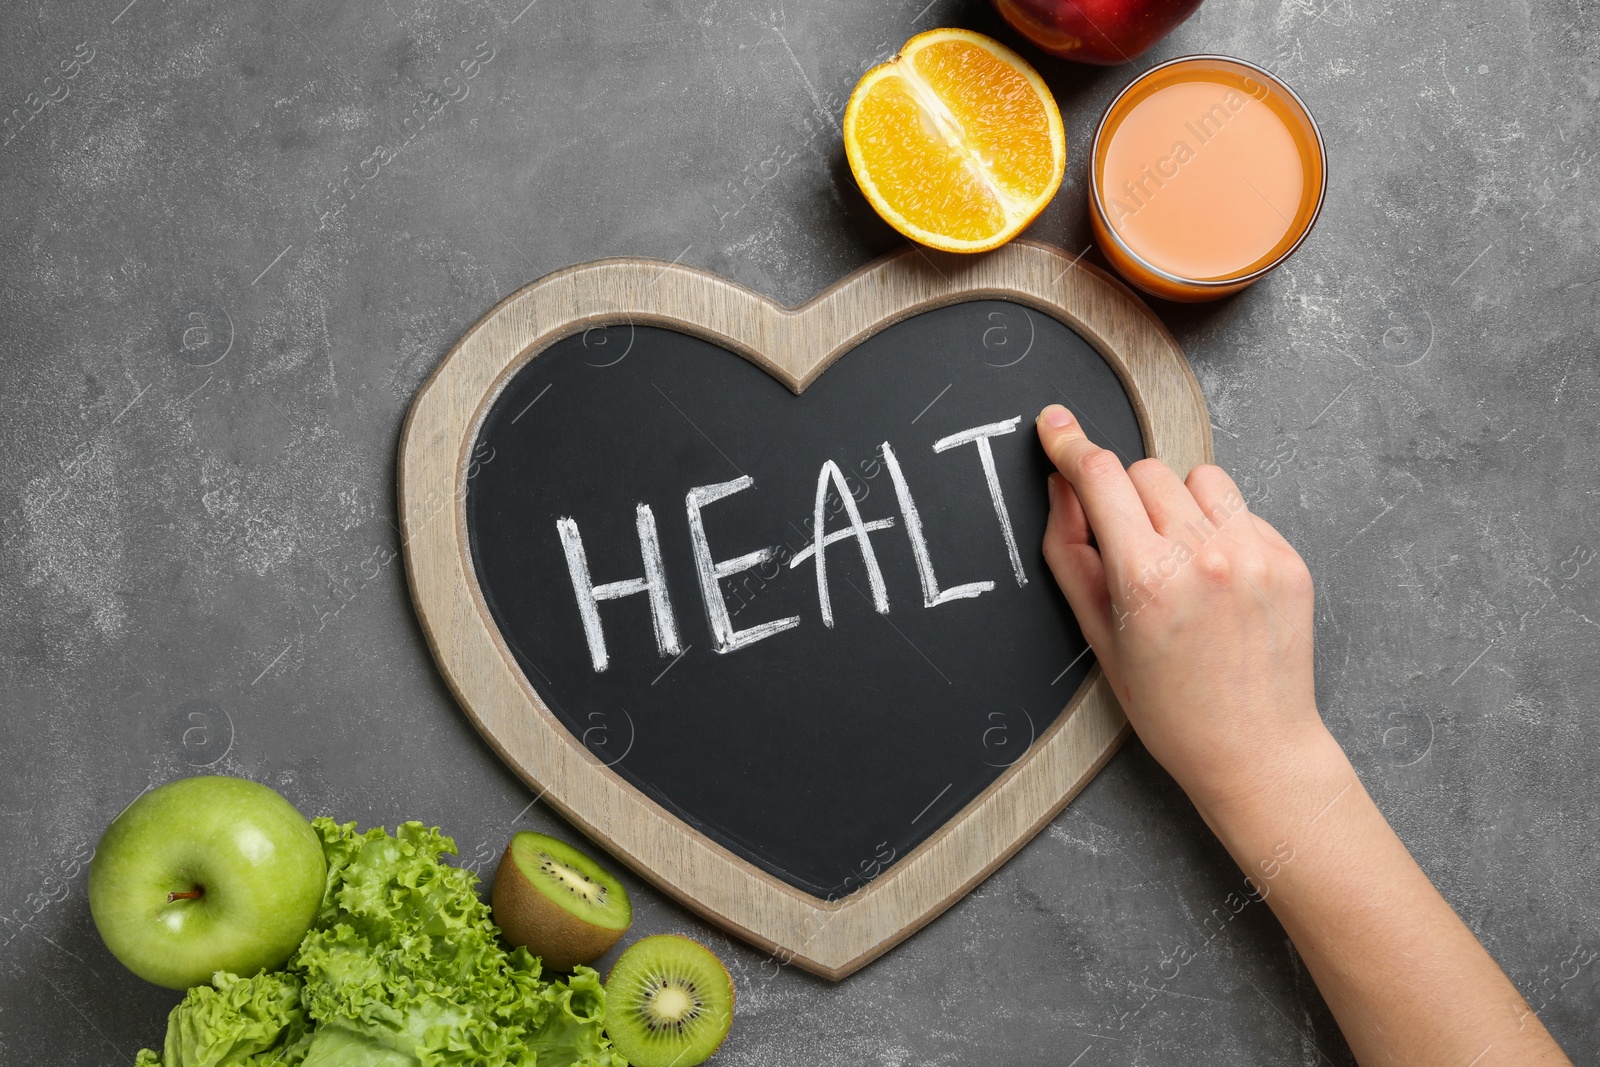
[(206, 874)]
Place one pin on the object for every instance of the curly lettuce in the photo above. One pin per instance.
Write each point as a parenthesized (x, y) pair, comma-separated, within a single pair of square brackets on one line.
[(402, 967), (236, 1022)]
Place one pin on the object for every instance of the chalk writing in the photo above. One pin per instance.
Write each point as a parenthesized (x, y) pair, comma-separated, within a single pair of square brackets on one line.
[(724, 638), (831, 485), (980, 436), (589, 595), (932, 595), (830, 477)]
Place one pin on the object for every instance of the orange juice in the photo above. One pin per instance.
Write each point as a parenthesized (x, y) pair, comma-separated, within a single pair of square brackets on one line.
[(1206, 173)]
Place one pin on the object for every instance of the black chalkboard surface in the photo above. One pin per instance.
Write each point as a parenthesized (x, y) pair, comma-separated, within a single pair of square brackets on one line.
[(628, 471)]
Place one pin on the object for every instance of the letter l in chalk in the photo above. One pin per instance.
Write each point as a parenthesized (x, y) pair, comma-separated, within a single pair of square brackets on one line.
[(932, 596)]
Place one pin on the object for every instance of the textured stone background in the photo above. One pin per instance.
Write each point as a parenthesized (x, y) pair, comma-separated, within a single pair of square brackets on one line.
[(206, 363)]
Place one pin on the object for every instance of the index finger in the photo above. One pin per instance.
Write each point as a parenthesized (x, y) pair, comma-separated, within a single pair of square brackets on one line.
[(1116, 514)]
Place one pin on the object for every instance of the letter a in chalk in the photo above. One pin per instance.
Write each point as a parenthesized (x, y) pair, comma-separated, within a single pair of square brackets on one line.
[(830, 475), (931, 596), (979, 435), (589, 595), (724, 638)]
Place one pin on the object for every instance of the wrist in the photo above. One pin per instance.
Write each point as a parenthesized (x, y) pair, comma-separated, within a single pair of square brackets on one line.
[(1288, 784)]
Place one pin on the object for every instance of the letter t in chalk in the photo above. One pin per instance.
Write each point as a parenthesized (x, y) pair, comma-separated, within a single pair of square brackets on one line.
[(589, 595), (980, 435)]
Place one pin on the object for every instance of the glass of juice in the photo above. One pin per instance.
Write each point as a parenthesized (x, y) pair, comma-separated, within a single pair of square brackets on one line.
[(1206, 173)]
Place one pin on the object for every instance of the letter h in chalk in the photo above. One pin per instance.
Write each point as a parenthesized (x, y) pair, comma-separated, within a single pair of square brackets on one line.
[(589, 595)]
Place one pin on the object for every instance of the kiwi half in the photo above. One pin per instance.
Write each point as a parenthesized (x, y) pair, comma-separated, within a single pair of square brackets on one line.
[(669, 1002), (557, 902)]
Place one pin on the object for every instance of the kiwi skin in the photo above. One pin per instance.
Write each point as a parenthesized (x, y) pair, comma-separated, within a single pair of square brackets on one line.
[(530, 919)]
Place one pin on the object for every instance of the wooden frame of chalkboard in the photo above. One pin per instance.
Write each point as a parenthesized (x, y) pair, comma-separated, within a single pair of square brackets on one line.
[(794, 345)]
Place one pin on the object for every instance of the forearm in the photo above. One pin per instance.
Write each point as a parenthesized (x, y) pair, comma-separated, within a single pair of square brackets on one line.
[(1404, 977), (1201, 615)]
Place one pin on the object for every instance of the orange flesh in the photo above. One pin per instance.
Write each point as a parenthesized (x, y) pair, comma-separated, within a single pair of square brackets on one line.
[(1001, 117), (925, 179), (953, 144), (1204, 180)]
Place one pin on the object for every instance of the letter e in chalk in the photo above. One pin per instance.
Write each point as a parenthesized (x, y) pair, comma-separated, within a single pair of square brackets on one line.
[(724, 638)]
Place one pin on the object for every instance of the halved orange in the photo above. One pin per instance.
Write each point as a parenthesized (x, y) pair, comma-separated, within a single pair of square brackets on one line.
[(956, 141)]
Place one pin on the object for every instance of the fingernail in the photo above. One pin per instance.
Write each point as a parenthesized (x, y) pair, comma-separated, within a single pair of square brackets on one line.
[(1056, 416), (1050, 490)]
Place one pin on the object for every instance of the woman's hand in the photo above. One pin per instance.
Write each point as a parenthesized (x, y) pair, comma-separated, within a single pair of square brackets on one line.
[(1199, 612)]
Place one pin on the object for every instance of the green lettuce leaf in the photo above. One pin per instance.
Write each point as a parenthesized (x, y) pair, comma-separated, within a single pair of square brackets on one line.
[(403, 967), (236, 1022), (570, 1031), (334, 1046)]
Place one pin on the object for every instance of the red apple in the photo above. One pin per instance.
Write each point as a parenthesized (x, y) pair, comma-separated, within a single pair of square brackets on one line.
[(1095, 31)]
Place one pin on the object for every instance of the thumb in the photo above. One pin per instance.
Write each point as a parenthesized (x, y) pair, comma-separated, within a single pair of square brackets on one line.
[(1076, 564)]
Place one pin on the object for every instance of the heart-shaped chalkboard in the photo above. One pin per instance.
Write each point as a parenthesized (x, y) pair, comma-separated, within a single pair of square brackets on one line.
[(611, 524)]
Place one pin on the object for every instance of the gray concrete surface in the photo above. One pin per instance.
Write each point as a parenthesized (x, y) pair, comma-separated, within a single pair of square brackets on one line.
[(207, 359)]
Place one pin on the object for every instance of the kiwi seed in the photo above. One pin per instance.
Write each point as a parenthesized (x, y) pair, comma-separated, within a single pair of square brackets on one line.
[(669, 1002), (557, 902)]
